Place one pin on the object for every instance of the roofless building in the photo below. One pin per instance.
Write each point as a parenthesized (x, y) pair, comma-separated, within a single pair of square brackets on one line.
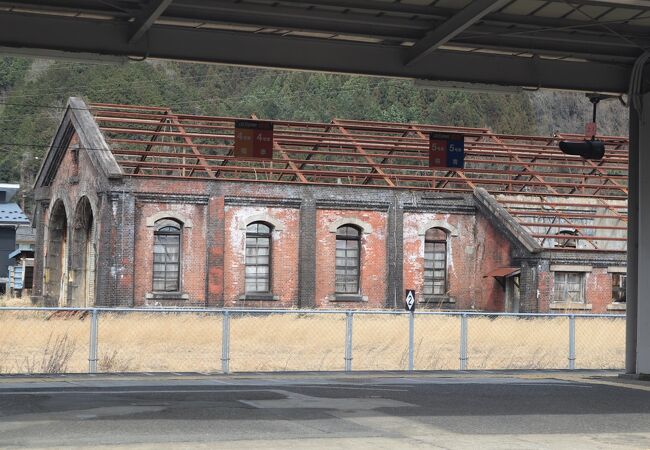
[(142, 206)]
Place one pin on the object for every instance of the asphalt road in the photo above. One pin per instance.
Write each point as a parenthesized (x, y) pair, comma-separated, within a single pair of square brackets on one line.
[(499, 411)]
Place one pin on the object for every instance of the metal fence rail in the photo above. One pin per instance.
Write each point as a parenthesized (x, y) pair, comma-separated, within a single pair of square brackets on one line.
[(73, 340)]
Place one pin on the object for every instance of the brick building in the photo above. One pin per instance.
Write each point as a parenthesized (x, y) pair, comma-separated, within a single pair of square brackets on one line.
[(141, 206)]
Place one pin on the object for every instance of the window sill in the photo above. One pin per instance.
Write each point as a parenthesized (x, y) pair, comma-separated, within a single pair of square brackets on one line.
[(166, 296), (567, 305), (616, 306), (438, 299), (259, 297), (349, 298)]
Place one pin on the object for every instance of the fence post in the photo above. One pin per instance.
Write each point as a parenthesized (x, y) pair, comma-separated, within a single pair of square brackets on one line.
[(463, 341), (92, 345), (411, 339), (572, 342), (225, 343), (348, 341)]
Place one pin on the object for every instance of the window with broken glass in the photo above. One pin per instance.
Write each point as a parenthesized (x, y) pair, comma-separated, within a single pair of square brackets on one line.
[(258, 258), (618, 287), (166, 256), (569, 287), (348, 243), (435, 262)]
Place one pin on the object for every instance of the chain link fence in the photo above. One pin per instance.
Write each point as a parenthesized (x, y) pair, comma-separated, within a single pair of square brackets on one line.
[(68, 340)]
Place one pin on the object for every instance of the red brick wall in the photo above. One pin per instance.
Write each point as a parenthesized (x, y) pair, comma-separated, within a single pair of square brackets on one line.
[(598, 291), (494, 252), (71, 183), (373, 259), (193, 252), (215, 249), (284, 256), (475, 250)]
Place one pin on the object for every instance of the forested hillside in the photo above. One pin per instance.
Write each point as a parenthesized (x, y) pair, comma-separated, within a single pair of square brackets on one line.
[(33, 94)]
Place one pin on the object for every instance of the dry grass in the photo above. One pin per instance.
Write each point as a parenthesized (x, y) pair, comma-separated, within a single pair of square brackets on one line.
[(274, 342), (15, 302)]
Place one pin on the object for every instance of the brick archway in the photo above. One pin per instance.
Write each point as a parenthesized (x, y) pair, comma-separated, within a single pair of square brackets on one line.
[(83, 254), (56, 260)]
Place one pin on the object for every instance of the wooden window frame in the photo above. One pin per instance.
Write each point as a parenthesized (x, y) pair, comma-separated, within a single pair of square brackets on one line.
[(619, 288), (432, 269), (560, 281), (346, 238), (161, 230), (269, 265)]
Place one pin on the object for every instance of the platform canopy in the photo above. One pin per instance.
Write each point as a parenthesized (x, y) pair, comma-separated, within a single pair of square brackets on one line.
[(587, 45)]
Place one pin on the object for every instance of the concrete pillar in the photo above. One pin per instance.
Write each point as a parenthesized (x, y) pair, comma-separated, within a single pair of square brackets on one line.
[(642, 183), (632, 245)]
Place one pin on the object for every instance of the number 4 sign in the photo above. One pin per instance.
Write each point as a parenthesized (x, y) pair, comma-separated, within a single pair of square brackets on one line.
[(253, 139)]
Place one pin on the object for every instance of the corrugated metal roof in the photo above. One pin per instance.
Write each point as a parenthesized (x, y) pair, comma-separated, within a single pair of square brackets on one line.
[(11, 213), (578, 30)]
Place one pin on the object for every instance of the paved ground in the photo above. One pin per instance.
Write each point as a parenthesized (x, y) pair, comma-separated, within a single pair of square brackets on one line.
[(478, 410)]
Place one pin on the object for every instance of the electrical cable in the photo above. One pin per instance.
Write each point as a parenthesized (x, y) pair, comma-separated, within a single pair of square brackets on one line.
[(636, 82)]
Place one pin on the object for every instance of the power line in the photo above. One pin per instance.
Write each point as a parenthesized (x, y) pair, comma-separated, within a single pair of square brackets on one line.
[(201, 78), (255, 97)]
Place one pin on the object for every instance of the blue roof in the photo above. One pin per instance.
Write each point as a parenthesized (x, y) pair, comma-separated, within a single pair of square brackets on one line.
[(11, 213), (29, 253)]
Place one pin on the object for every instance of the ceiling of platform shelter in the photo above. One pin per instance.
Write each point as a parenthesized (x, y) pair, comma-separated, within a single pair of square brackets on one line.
[(566, 44)]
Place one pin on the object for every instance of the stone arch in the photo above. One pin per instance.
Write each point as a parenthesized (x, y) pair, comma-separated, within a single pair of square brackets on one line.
[(186, 222), (365, 227), (275, 224), (83, 251), (56, 260), (448, 228)]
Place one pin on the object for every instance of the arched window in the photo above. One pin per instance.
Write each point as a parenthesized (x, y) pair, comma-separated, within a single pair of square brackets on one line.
[(348, 243), (435, 262), (167, 256), (258, 258)]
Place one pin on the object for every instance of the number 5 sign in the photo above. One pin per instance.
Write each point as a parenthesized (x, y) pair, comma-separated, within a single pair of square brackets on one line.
[(447, 150)]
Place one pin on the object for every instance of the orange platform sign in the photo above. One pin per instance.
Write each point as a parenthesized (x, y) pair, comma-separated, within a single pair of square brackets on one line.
[(253, 139)]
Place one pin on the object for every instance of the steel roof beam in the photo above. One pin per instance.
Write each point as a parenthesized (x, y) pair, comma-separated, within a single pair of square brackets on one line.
[(54, 33), (451, 28), (145, 19)]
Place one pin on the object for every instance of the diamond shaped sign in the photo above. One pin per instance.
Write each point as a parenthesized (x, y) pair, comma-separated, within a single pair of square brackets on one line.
[(409, 301)]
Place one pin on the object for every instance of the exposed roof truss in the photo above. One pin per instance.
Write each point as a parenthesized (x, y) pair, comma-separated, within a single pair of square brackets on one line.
[(546, 191)]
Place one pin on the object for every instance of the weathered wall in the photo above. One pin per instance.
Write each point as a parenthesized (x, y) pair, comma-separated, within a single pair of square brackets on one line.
[(474, 248), (373, 260), (303, 270), (75, 178), (284, 255), (193, 252), (493, 251), (597, 292)]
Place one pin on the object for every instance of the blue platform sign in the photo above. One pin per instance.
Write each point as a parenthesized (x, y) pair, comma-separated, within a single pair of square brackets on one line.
[(447, 150)]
